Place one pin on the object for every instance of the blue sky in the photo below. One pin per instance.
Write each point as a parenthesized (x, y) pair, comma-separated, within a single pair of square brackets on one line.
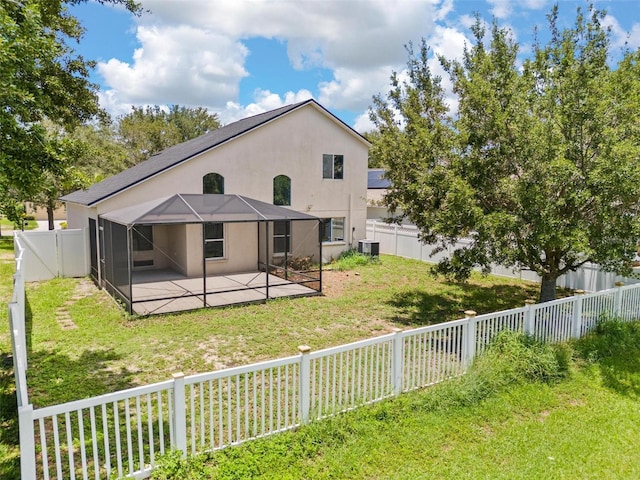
[(243, 57)]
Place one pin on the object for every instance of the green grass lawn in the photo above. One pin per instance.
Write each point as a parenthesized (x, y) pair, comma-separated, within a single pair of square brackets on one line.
[(574, 430), (493, 423), (109, 350), (9, 225)]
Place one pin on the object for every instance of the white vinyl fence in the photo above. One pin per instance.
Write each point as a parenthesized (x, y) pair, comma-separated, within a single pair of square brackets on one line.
[(54, 253), (123, 433), (402, 240)]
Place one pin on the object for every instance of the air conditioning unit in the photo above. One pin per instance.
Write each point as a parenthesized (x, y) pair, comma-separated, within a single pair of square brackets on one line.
[(369, 247)]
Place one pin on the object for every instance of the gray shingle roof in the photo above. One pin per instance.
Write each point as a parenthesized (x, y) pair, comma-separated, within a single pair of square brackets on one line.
[(175, 155)]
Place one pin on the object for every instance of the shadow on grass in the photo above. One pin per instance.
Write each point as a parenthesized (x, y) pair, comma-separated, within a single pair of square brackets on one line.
[(418, 307), (9, 459), (615, 348), (57, 378), (622, 375), (54, 378)]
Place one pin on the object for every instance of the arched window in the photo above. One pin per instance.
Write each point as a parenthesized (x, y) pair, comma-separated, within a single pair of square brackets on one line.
[(282, 190), (213, 183)]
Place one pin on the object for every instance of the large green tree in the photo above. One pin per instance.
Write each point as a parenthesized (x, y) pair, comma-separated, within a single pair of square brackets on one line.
[(540, 166), (65, 177), (41, 77), (146, 131), (102, 154)]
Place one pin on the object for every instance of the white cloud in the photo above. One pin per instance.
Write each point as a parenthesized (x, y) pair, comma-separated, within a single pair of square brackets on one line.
[(501, 8), (353, 89), (178, 65), (264, 100), (192, 52), (363, 123), (535, 4), (620, 37)]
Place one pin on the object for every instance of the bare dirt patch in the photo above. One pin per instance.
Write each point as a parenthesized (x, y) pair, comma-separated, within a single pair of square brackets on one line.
[(211, 352), (334, 283), (84, 288)]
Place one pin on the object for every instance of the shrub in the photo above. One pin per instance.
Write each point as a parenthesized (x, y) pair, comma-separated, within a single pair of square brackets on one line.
[(301, 264), (614, 348), (350, 259), (512, 358), (610, 338), (172, 466)]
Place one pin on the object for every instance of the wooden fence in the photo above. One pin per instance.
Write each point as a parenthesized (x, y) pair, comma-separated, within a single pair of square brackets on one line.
[(123, 433)]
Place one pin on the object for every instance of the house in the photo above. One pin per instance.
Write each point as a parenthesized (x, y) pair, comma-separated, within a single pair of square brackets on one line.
[(268, 192), (377, 186)]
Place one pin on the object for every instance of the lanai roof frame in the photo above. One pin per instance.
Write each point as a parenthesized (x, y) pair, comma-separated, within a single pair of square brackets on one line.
[(202, 209)]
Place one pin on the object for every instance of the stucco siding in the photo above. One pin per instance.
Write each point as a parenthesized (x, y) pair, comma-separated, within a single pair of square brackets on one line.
[(292, 145), (78, 215), (240, 248)]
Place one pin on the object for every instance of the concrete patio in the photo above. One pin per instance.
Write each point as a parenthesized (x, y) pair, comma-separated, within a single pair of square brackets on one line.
[(165, 291)]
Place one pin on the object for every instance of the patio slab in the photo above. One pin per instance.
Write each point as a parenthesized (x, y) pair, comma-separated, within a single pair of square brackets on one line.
[(166, 291)]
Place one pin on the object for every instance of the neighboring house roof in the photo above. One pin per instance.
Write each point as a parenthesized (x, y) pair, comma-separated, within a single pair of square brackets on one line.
[(177, 154), (377, 180), (201, 208)]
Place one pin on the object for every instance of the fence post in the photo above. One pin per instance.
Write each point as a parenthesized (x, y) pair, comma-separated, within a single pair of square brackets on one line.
[(179, 414), (529, 318), (396, 361), (27, 442), (576, 327), (395, 240), (305, 383), (617, 306), (469, 337)]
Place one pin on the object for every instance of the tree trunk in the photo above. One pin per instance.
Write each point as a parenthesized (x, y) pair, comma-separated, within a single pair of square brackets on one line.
[(548, 288), (50, 208)]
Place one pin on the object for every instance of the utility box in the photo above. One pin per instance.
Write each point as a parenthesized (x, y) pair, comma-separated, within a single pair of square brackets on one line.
[(369, 247)]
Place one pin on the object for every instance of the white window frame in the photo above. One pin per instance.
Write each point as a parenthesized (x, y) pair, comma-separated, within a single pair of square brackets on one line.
[(221, 240), (334, 224)]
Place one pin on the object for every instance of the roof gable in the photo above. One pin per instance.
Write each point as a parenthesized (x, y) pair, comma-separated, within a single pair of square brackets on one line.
[(182, 152)]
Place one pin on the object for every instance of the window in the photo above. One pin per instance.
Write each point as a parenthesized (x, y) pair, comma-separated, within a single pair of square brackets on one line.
[(332, 229), (142, 246), (213, 183), (142, 238), (282, 190), (213, 240), (281, 237), (332, 166)]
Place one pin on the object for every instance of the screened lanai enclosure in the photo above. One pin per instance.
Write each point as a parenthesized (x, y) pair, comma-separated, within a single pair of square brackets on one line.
[(189, 251)]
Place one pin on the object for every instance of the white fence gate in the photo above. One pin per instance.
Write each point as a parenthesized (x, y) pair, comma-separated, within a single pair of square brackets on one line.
[(54, 253), (402, 240)]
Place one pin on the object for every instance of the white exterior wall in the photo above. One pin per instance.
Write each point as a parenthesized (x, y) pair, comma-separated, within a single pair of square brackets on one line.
[(291, 145), (78, 215)]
